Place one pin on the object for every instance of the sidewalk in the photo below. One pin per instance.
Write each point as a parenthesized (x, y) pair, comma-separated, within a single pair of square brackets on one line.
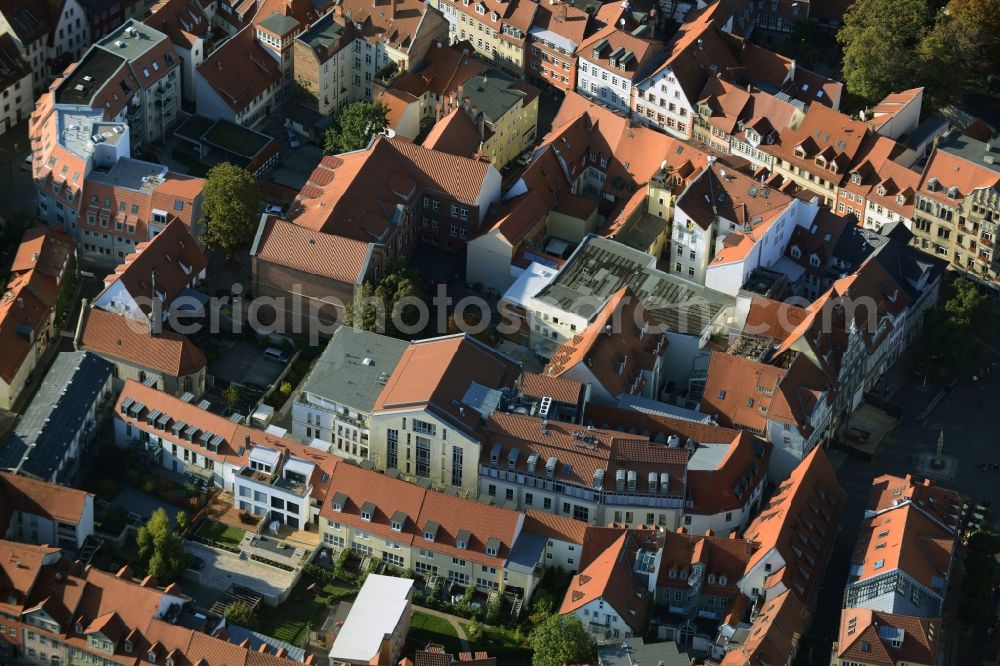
[(453, 620)]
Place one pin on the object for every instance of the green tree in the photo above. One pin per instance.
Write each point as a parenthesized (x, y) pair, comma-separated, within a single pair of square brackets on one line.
[(231, 395), (961, 53), (880, 38), (160, 547), (231, 205), (241, 613), (561, 639), (354, 127), (182, 520), (379, 307), (285, 389)]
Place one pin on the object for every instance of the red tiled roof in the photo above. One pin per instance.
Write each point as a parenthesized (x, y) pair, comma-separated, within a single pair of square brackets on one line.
[(560, 390), (240, 70), (722, 559), (556, 527), (454, 134), (774, 635), (184, 21), (862, 638), (119, 338), (941, 504), (295, 246), (44, 499)]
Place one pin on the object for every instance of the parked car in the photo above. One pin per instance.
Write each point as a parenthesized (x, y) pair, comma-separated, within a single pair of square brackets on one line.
[(274, 209), (276, 354), (26, 164), (293, 140)]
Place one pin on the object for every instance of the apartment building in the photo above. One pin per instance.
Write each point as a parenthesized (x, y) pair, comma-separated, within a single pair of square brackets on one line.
[(38, 512), (27, 22), (45, 263), (612, 61), (189, 26), (497, 29), (874, 638), (564, 538), (324, 58), (890, 570), (15, 84), (433, 533), (77, 387), (428, 418), (612, 595), (277, 485), (155, 275), (773, 637), (489, 116), (957, 206), (554, 37), (335, 405), (377, 624), (241, 81)]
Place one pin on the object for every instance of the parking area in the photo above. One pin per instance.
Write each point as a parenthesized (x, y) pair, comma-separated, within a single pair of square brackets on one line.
[(222, 570), (142, 505), (243, 362)]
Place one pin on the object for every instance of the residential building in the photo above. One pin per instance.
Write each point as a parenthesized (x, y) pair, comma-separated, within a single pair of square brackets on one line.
[(376, 626), (896, 115), (189, 27), (428, 419), (491, 117), (697, 585), (885, 159), (38, 512), (795, 533), (28, 23), (225, 141), (167, 360), (904, 554), (159, 271), (269, 476), (613, 593), (564, 538), (497, 29), (612, 61), (334, 407), (77, 388), (103, 16), (957, 206), (434, 655), (727, 224), (395, 193), (69, 34), (619, 351), (324, 63), (131, 76), (633, 649), (41, 275), (15, 84), (93, 616), (556, 33), (240, 81), (310, 275), (433, 533), (772, 637), (874, 638), (685, 312)]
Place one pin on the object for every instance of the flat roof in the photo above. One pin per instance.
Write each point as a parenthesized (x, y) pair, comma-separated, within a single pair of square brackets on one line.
[(972, 150), (279, 24), (50, 424), (89, 76), (75, 130), (354, 368), (235, 139), (599, 267), (131, 40), (194, 128), (375, 614), (641, 231), (132, 174), (532, 280), (493, 93), (635, 651)]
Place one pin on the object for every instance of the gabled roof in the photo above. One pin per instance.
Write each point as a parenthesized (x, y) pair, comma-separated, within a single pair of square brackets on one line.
[(394, 22), (454, 134), (240, 70), (444, 69), (609, 578), (870, 637), (940, 504), (313, 252), (555, 527), (173, 256), (825, 133), (611, 47), (565, 391), (698, 51), (121, 339), (617, 358), (722, 558), (39, 498), (800, 524), (774, 634), (184, 21), (44, 249), (960, 162)]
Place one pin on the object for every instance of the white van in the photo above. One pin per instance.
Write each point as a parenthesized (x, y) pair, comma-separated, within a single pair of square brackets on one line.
[(276, 354)]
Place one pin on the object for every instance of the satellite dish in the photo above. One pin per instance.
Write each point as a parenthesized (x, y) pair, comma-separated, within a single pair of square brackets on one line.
[(273, 527)]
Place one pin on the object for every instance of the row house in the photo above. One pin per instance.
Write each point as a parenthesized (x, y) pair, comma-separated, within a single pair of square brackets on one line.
[(241, 81), (556, 33), (43, 267), (612, 61), (15, 84), (188, 23), (957, 205), (395, 193), (93, 616), (875, 638), (903, 557), (564, 538), (269, 476), (884, 160), (613, 593), (694, 475), (77, 387), (159, 270), (39, 512), (437, 535), (103, 16), (28, 23), (697, 586), (771, 635), (497, 29)]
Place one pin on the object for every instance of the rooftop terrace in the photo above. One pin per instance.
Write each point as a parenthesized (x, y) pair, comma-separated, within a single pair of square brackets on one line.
[(132, 174)]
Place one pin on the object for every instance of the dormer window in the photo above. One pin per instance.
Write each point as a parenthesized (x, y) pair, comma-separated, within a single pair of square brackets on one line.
[(881, 190), (813, 260), (429, 536), (722, 580), (462, 539), (367, 511), (900, 199), (932, 184), (796, 252), (493, 547), (79, 627), (128, 647), (800, 151), (170, 661), (338, 502), (151, 657), (398, 521), (711, 579), (856, 178)]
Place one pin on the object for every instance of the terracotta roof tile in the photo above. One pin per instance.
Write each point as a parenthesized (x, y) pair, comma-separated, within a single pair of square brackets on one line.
[(553, 526), (920, 638), (240, 70), (117, 337), (774, 634), (561, 390), (298, 247), (39, 498), (454, 134), (941, 504)]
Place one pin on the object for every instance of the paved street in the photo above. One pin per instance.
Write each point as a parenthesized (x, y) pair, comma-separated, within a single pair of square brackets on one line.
[(18, 193), (966, 416)]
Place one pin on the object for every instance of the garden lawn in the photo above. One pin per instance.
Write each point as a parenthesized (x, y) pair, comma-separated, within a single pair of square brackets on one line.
[(426, 629), (221, 533)]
